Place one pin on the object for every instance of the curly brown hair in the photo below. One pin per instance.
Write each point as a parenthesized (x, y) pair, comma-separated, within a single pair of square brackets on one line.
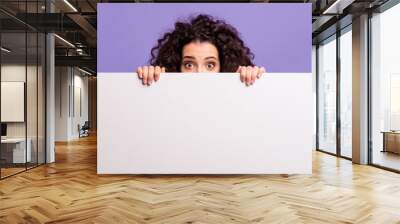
[(204, 28)]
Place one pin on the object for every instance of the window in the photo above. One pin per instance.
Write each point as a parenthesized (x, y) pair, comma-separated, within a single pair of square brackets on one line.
[(327, 95), (385, 89), (346, 92)]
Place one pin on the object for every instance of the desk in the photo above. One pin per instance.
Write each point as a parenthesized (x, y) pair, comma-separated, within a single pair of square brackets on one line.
[(391, 141), (15, 148)]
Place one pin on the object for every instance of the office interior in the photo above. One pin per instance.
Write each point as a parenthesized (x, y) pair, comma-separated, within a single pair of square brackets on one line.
[(48, 82)]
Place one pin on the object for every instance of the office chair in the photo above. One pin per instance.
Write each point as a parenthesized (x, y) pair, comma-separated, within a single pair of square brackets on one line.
[(84, 130)]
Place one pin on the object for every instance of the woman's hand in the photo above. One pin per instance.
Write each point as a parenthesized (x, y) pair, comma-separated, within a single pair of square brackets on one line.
[(248, 74), (148, 74)]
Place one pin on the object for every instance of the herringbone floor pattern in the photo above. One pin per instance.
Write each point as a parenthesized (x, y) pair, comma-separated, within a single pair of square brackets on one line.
[(70, 191)]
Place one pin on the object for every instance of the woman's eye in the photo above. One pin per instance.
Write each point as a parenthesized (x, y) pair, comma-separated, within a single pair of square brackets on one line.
[(188, 65), (210, 66)]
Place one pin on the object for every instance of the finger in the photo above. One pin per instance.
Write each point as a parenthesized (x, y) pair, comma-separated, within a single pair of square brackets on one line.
[(239, 70), (242, 74), (157, 72), (150, 78), (140, 72), (248, 74), (262, 71), (145, 74), (163, 70), (254, 73)]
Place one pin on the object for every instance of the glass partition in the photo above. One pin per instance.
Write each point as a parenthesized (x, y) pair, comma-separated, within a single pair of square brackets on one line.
[(13, 108), (22, 77), (327, 95)]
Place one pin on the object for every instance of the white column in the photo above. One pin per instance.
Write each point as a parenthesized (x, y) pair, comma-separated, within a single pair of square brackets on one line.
[(50, 110), (63, 101), (50, 92), (360, 90)]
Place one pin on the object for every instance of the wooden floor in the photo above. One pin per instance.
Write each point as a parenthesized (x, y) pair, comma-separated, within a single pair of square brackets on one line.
[(5, 172), (70, 191), (386, 159)]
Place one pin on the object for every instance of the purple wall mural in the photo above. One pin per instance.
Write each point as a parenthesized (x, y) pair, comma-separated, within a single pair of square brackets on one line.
[(279, 35)]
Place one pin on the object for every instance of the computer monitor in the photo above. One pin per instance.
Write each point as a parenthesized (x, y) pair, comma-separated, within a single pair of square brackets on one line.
[(3, 129)]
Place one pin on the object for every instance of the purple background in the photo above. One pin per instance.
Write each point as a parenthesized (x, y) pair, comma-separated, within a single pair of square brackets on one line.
[(279, 35)]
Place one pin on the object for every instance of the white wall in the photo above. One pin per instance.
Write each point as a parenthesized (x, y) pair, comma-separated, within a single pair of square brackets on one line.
[(62, 81), (16, 72), (67, 116), (81, 84)]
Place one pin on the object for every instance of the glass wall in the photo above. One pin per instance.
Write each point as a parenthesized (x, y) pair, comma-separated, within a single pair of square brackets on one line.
[(327, 95), (22, 90), (346, 92), (385, 88), (334, 73), (13, 91)]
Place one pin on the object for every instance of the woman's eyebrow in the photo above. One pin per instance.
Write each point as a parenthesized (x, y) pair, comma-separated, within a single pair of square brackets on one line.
[(190, 57), (211, 57)]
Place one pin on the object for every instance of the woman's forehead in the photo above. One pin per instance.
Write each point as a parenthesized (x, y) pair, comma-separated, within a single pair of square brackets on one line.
[(200, 49)]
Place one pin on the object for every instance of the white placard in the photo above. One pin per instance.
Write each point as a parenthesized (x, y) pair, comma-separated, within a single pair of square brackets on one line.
[(12, 101), (205, 124)]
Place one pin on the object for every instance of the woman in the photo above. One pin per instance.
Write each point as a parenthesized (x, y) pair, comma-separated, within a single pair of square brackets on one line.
[(201, 45)]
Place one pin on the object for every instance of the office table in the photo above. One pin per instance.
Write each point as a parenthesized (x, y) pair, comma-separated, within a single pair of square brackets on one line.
[(13, 150), (391, 141)]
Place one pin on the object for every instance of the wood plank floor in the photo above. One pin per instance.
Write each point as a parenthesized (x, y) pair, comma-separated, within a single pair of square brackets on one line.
[(70, 191), (5, 172)]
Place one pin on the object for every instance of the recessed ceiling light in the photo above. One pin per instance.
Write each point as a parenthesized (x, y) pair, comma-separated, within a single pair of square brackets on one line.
[(84, 71), (64, 40), (338, 6), (70, 5), (5, 50)]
